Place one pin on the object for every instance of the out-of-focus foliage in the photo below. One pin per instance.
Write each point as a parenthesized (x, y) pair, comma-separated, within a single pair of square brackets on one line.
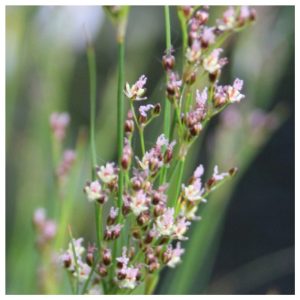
[(46, 71)]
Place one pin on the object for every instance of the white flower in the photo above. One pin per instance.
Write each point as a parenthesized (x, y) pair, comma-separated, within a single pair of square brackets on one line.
[(165, 223), (175, 256), (233, 92), (129, 282), (213, 63), (180, 228), (139, 202), (192, 192), (137, 90), (107, 173), (93, 190)]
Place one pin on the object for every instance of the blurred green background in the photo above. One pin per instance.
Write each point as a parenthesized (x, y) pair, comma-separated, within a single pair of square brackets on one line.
[(244, 243)]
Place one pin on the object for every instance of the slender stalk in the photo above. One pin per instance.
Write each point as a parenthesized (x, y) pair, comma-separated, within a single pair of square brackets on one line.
[(120, 116), (120, 136), (167, 112), (141, 131), (174, 199), (93, 77)]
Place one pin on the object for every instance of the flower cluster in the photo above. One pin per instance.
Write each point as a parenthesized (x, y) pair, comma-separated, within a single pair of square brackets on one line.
[(45, 228), (72, 260), (147, 207)]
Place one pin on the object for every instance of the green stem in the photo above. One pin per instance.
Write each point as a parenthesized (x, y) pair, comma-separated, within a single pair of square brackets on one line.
[(120, 116), (120, 136), (167, 112), (178, 185), (141, 132), (93, 78)]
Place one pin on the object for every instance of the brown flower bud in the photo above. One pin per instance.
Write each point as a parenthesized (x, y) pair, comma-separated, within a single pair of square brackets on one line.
[(233, 171), (106, 256), (154, 266), (121, 274), (252, 14), (158, 210), (195, 129), (89, 258), (157, 109), (149, 237), (143, 218), (168, 62), (136, 233), (129, 126), (102, 270), (190, 78), (136, 184)]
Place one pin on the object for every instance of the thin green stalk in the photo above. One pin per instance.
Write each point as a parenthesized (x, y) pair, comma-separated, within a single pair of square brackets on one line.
[(93, 77), (75, 260), (174, 199), (120, 118), (120, 136), (167, 112), (141, 132)]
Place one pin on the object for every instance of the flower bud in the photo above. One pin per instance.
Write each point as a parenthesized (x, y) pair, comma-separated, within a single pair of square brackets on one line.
[(136, 233), (143, 218), (89, 258), (121, 274), (190, 78), (102, 270), (159, 210), (136, 184), (157, 109), (195, 129), (149, 237), (129, 126), (201, 16), (106, 256), (168, 62), (233, 171), (154, 266)]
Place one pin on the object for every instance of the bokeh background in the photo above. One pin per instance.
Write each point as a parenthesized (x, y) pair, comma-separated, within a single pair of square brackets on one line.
[(244, 243)]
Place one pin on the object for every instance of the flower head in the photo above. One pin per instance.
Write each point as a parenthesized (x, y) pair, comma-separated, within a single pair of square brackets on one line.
[(93, 190), (137, 90), (59, 123), (107, 173), (213, 62), (180, 227), (175, 255), (139, 202), (165, 223), (143, 109)]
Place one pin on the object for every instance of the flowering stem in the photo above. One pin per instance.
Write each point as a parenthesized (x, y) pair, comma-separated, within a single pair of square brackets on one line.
[(178, 183), (140, 128), (75, 260), (120, 113), (141, 131), (167, 111), (92, 74)]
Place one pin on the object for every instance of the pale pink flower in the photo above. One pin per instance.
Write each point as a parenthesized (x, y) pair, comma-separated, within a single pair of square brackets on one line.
[(175, 255), (107, 173), (180, 227), (93, 190), (59, 123), (137, 90), (165, 222), (139, 202), (143, 109), (212, 63)]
